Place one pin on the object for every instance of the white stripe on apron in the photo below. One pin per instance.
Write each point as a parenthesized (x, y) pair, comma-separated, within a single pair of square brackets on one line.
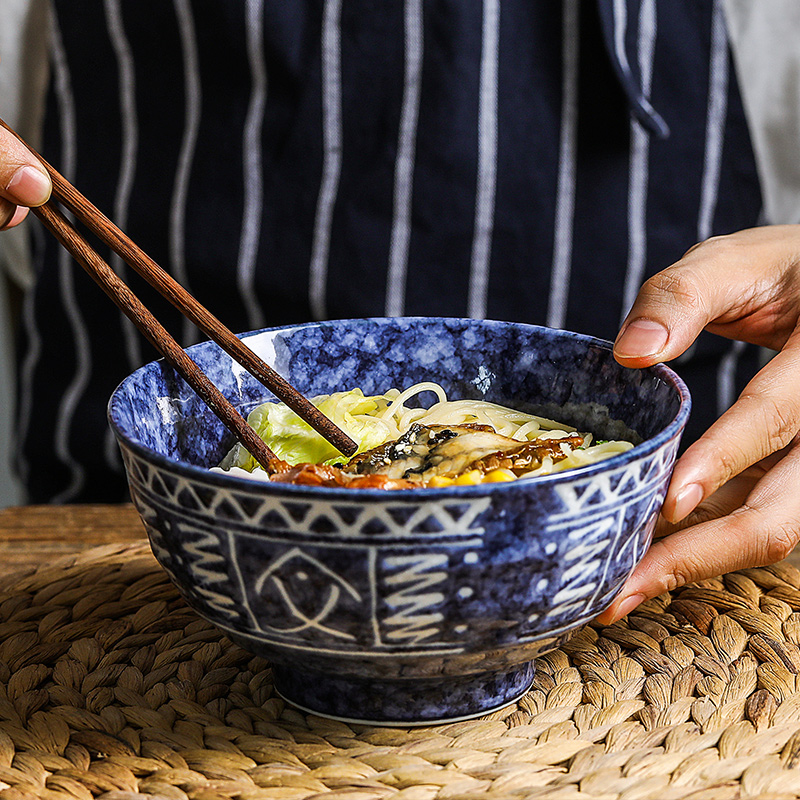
[(332, 155), (639, 173), (565, 193), (404, 167), (193, 97), (252, 165), (66, 275), (128, 155), (487, 162)]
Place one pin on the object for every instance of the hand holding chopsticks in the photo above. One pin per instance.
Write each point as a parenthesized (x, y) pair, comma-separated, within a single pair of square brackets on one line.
[(154, 332)]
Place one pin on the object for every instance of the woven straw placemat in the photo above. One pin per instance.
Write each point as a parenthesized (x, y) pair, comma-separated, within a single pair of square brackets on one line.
[(111, 686)]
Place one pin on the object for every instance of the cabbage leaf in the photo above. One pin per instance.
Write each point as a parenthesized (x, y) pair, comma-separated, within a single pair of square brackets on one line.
[(295, 441)]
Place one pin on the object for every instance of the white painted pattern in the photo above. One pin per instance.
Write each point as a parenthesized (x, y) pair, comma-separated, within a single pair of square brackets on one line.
[(201, 556), (605, 502), (615, 487), (208, 567), (399, 601), (390, 519), (400, 604), (585, 563), (157, 545), (398, 592), (338, 586), (415, 597)]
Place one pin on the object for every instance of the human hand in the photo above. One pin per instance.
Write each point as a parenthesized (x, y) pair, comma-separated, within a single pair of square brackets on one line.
[(23, 181), (734, 498)]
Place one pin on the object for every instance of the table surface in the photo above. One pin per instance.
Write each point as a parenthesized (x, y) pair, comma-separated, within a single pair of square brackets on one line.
[(150, 701), (34, 535)]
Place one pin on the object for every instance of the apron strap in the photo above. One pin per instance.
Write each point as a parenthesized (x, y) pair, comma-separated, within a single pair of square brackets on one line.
[(614, 17)]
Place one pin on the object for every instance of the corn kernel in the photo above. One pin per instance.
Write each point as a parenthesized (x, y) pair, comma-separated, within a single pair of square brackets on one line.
[(471, 478), (440, 480), (498, 476)]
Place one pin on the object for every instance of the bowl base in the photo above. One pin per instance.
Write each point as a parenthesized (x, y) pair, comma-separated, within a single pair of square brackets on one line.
[(402, 702)]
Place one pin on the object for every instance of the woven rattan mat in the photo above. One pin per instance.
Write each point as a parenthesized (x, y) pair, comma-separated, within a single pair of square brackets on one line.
[(110, 686)]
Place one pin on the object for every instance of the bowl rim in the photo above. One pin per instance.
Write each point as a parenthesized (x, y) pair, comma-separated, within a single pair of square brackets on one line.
[(660, 370)]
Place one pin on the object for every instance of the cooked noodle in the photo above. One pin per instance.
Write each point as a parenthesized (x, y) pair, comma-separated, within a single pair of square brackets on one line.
[(376, 420), (505, 421)]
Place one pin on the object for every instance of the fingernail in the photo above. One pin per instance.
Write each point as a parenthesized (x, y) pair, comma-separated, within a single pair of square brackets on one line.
[(687, 501), (29, 186), (641, 337), (20, 212), (625, 607)]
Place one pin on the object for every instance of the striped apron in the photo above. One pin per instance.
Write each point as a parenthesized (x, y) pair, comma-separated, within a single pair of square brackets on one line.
[(313, 159)]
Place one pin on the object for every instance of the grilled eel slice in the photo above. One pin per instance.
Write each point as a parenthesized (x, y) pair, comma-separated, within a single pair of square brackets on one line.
[(425, 451)]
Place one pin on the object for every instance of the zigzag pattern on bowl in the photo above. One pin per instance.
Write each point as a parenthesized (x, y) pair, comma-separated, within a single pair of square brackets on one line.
[(204, 535)]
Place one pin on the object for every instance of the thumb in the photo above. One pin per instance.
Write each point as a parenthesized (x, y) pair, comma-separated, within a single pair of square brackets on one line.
[(740, 286), (670, 311), (23, 179)]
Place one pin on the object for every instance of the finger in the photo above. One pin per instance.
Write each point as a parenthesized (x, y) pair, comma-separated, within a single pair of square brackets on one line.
[(764, 419), (763, 531), (7, 212), (23, 180), (725, 500), (20, 213), (734, 285)]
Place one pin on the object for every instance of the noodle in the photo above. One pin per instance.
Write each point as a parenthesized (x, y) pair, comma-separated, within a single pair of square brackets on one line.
[(380, 419)]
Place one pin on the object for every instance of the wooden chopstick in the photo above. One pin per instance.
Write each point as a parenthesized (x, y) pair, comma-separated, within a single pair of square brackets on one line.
[(102, 227), (154, 332)]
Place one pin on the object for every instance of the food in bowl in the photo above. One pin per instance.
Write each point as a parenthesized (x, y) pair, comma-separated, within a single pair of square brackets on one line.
[(414, 606), (452, 442)]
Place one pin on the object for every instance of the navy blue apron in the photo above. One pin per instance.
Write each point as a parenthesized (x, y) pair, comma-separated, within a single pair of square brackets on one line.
[(291, 161)]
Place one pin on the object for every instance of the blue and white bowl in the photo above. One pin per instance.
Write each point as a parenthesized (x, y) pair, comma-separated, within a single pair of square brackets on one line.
[(410, 606)]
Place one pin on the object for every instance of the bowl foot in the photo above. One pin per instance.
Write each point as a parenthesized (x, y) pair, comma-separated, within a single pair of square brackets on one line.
[(411, 701)]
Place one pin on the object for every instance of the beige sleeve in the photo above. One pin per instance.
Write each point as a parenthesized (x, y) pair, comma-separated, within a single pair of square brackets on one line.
[(23, 80), (765, 35)]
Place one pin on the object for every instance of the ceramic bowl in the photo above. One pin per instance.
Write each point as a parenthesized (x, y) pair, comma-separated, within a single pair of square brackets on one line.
[(410, 606)]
